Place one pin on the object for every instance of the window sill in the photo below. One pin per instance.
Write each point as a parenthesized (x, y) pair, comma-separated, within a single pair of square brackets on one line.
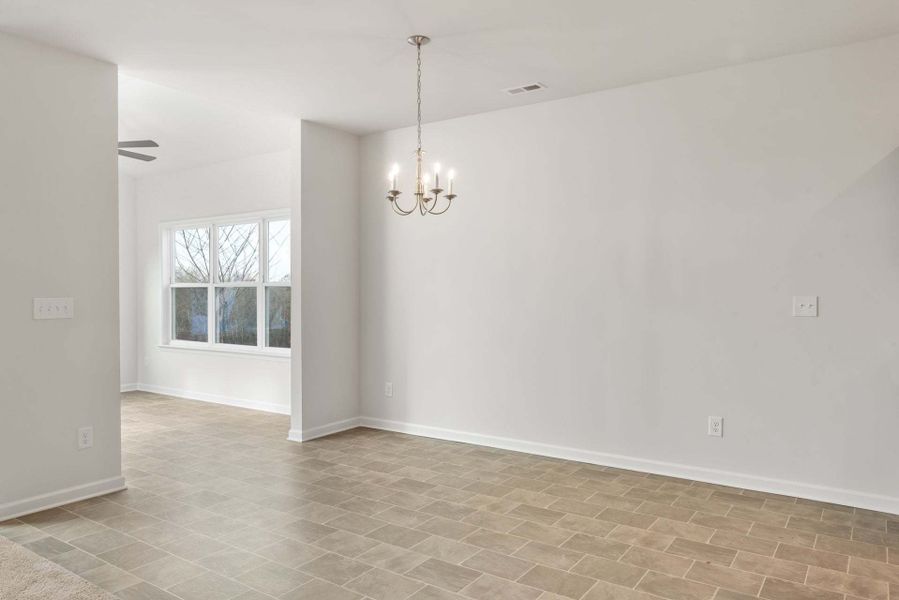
[(250, 352)]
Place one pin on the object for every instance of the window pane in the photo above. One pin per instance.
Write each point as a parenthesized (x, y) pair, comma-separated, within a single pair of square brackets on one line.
[(235, 314), (191, 310), (191, 255), (279, 251), (238, 250), (277, 314)]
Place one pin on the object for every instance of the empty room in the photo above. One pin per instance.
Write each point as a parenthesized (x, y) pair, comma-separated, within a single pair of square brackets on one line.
[(472, 300)]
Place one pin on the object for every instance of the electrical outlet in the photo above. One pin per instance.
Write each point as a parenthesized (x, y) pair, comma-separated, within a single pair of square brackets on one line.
[(805, 306), (716, 426), (85, 437), (388, 389), (54, 308)]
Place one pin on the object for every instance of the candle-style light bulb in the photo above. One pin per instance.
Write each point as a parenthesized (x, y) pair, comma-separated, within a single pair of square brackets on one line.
[(393, 173), (436, 175), (452, 176)]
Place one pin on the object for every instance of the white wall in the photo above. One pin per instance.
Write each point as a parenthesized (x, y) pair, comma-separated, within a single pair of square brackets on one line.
[(619, 266), (127, 283), (326, 396), (58, 226), (250, 184)]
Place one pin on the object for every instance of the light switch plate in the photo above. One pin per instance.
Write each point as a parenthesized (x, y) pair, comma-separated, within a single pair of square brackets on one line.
[(85, 437), (805, 306), (54, 308)]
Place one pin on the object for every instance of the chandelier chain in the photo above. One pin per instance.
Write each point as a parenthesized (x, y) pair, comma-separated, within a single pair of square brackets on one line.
[(419, 97)]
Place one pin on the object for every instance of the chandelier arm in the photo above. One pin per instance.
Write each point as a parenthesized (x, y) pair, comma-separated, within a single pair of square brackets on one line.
[(449, 201), (400, 211)]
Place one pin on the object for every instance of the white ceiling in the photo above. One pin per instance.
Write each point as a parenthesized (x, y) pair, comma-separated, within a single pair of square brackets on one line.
[(346, 63), (190, 130)]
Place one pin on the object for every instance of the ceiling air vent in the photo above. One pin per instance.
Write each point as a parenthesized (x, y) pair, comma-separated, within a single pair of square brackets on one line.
[(523, 89)]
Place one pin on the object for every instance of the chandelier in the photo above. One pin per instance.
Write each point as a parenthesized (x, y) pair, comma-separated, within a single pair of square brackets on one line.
[(426, 198)]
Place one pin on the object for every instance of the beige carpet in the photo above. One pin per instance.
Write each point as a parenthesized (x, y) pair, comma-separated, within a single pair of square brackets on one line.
[(26, 576)]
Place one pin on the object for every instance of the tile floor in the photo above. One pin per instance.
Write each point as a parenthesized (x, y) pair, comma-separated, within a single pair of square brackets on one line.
[(221, 506)]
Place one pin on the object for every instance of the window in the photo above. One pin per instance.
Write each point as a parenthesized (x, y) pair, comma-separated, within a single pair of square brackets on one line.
[(228, 283)]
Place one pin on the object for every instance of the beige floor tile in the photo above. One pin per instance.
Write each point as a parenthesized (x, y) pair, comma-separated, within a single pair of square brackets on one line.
[(861, 587), (110, 578), (536, 514), (431, 593), (657, 561), (445, 549), (609, 570), (97, 543), (725, 577), (538, 532), (500, 565), (558, 582), (355, 523), (334, 568), (701, 551), (773, 567), (447, 528), (132, 556), (144, 591), (488, 587), (168, 571), (194, 546), (384, 585), (289, 553), (273, 579), (728, 539), (392, 558), (675, 588), (492, 540), (553, 556), (444, 575), (398, 535), (589, 544), (208, 586), (777, 589), (231, 562), (634, 536), (77, 561), (851, 548), (48, 547), (688, 531), (609, 591), (818, 558), (874, 570)]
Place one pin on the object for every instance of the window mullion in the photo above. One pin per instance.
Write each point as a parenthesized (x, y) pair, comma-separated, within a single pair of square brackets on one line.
[(260, 284), (213, 277)]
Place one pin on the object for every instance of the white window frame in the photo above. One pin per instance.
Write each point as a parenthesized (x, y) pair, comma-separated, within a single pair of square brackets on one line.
[(167, 244)]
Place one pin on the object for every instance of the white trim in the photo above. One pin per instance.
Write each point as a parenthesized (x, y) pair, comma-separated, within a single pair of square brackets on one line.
[(128, 387), (232, 218), (741, 480), (296, 435), (215, 398), (11, 510), (204, 348)]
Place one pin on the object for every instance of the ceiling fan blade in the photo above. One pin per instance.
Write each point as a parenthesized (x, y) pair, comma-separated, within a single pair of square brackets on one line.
[(139, 144), (136, 155)]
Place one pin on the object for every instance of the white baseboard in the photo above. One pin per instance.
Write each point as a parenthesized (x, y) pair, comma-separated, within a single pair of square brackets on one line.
[(19, 508), (129, 387), (741, 480), (297, 435), (214, 398)]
